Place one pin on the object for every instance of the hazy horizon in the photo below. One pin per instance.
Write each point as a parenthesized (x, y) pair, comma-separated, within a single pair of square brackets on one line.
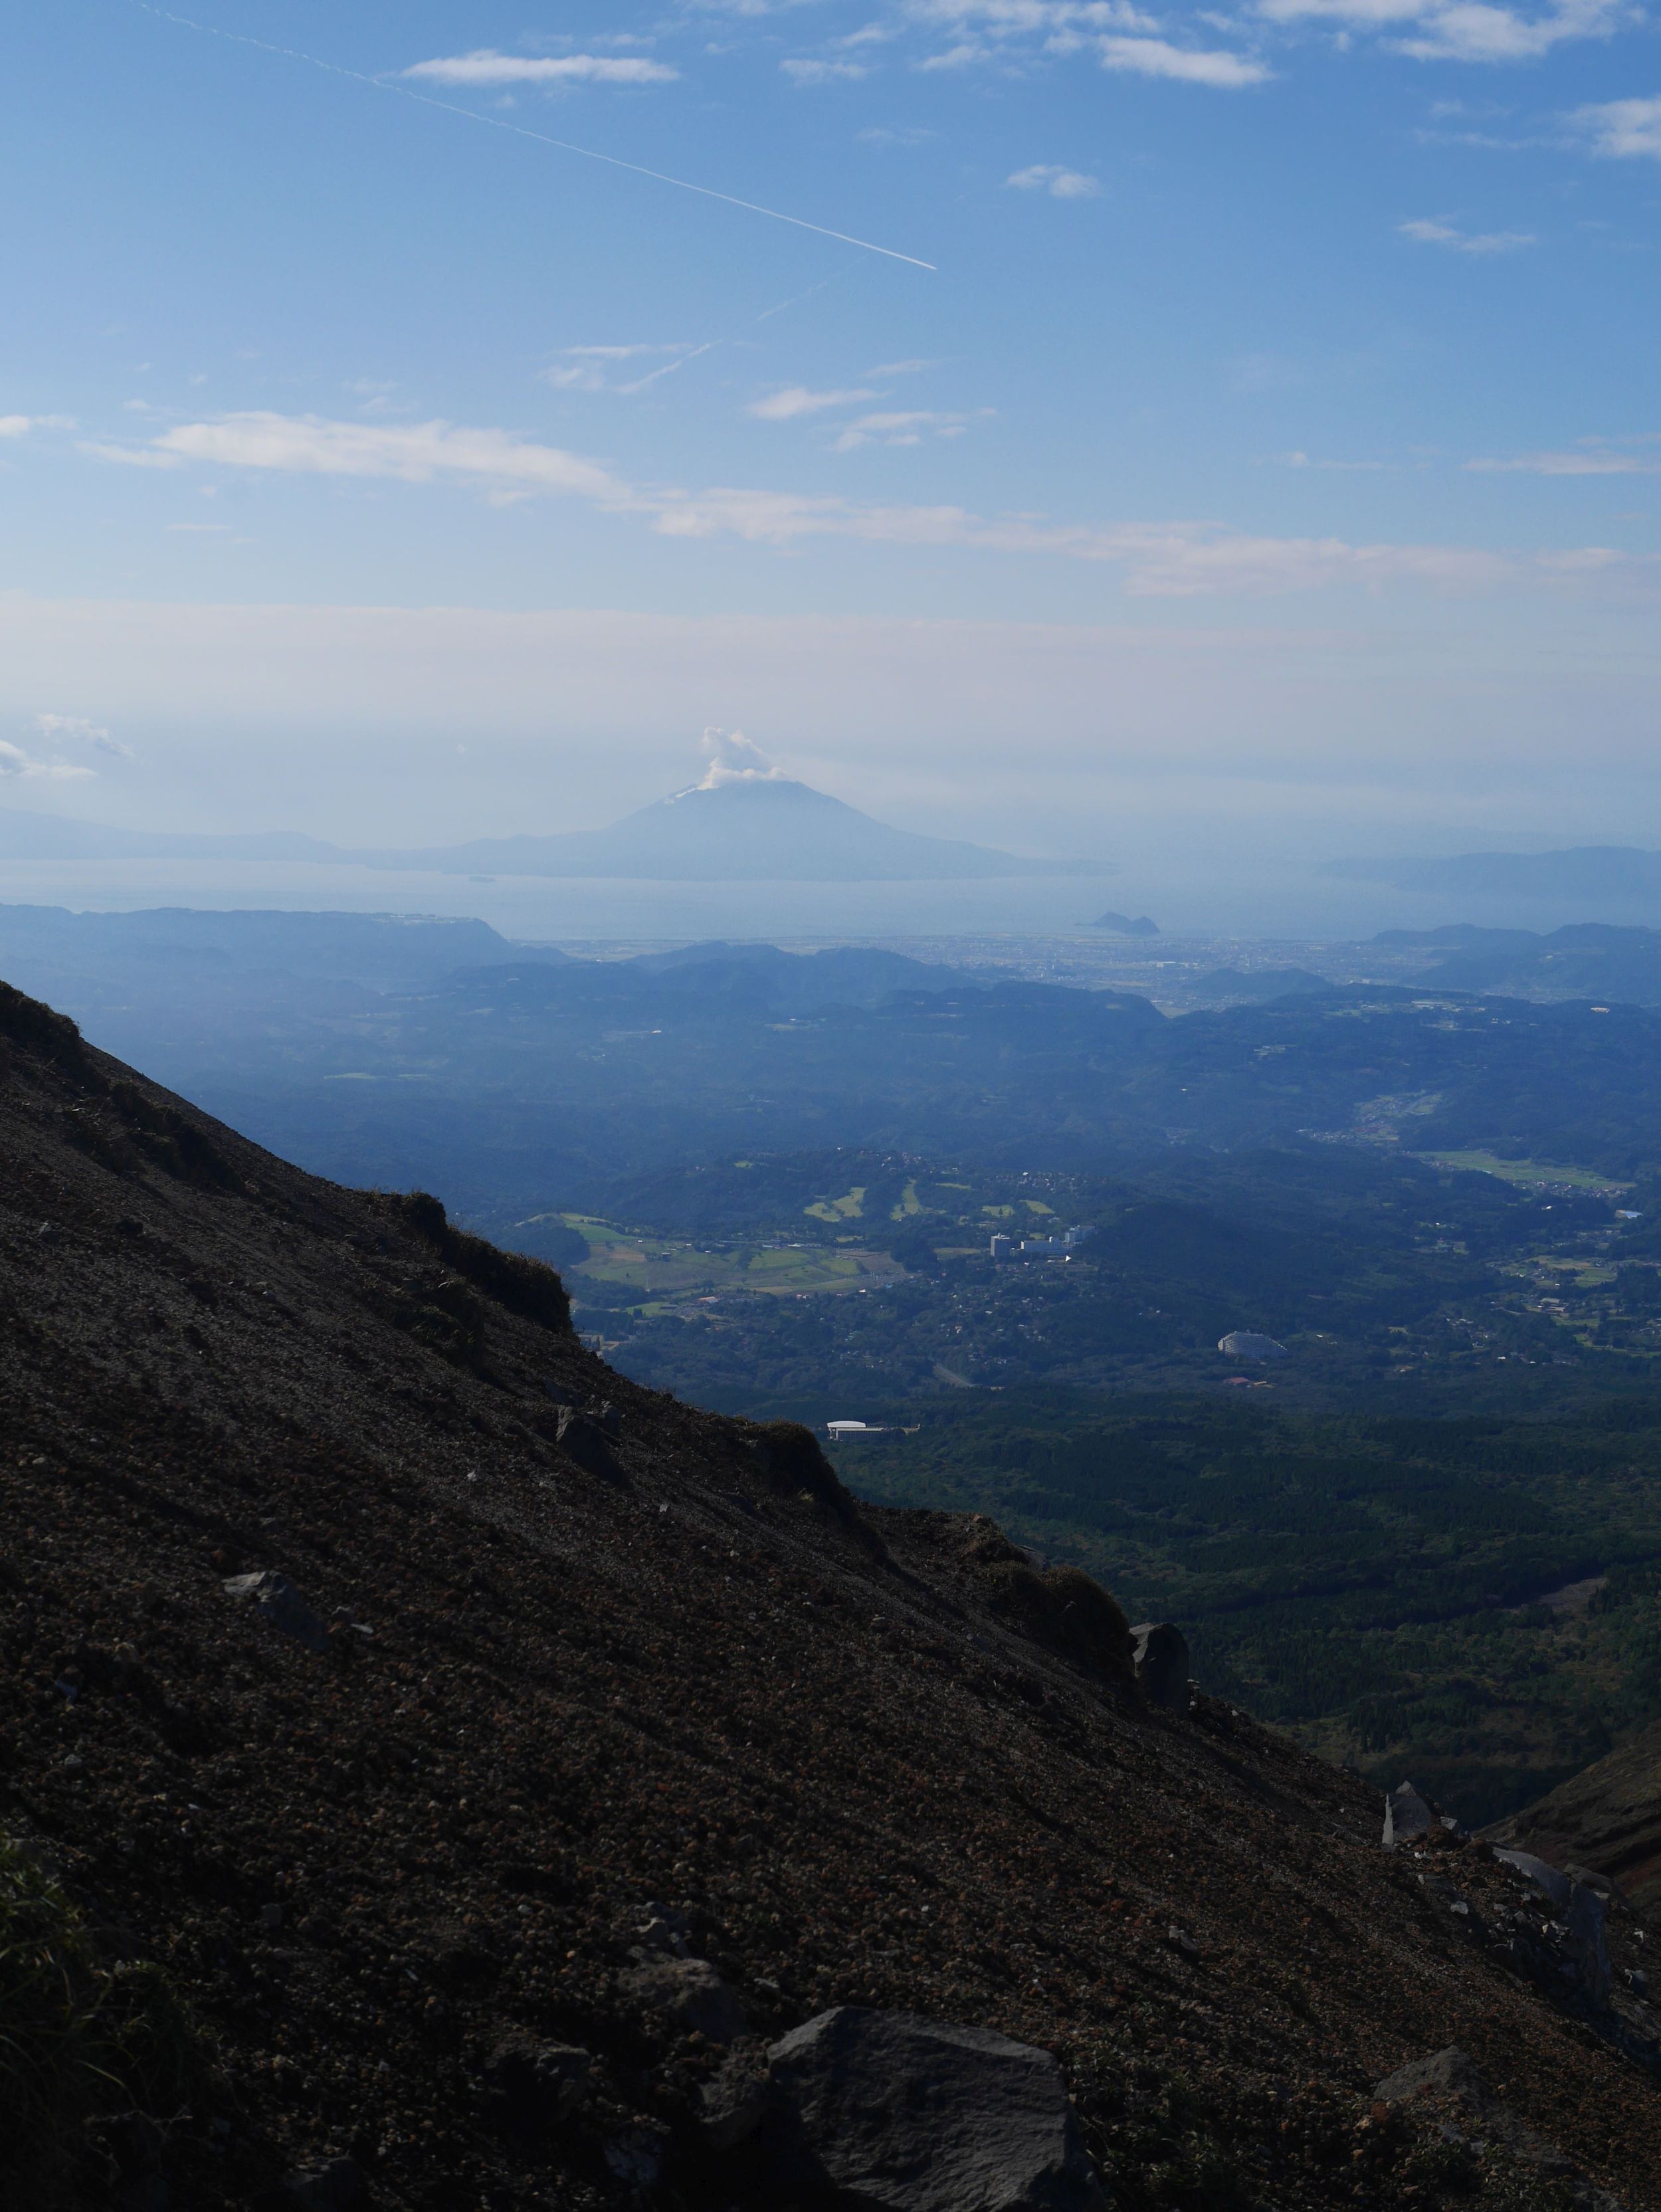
[(1090, 426)]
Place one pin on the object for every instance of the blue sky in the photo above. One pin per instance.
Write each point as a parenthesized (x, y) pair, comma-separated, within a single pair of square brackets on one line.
[(1273, 438)]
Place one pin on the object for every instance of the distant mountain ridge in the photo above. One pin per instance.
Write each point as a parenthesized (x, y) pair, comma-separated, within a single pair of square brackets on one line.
[(750, 829), (1582, 871), (1586, 960)]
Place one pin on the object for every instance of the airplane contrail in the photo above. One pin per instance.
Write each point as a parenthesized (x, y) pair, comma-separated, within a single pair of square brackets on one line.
[(521, 131)]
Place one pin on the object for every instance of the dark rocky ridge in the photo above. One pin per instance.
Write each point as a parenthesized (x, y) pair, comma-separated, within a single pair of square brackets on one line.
[(1607, 1817), (682, 1703)]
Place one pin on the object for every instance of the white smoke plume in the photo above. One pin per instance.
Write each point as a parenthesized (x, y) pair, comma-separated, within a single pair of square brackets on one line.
[(733, 759)]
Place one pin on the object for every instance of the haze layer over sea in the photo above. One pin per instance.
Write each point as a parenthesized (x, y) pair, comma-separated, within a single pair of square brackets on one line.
[(1204, 899)]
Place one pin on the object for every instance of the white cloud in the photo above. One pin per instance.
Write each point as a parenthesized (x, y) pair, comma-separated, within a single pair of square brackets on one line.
[(14, 762), (1160, 559), (1593, 458), (1622, 130), (485, 66), (587, 368), (795, 400), (309, 444), (1226, 72), (1004, 19), (55, 732), (1177, 560), (908, 428), (18, 426), (1463, 30), (1473, 31), (901, 368), (1061, 184), (801, 71), (1427, 232), (1117, 34), (59, 730), (1300, 459), (733, 759)]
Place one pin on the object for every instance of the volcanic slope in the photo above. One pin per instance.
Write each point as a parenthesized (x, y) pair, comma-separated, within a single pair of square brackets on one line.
[(1607, 1817), (578, 1709)]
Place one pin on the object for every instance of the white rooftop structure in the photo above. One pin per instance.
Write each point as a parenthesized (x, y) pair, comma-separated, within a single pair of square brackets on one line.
[(1243, 1344)]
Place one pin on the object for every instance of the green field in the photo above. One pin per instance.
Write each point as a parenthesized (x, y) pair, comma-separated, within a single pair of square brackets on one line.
[(1528, 1174), (670, 1270)]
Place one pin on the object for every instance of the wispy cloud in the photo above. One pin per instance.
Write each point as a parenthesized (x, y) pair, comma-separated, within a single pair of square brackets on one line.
[(14, 762), (1426, 231), (594, 368), (1300, 459), (418, 452), (1622, 130), (1590, 457), (1462, 30), (964, 55), (1222, 70), (1183, 559), (18, 426), (1114, 34), (1005, 19), (54, 735), (485, 66), (795, 400), (805, 69), (907, 426), (1061, 184), (57, 730)]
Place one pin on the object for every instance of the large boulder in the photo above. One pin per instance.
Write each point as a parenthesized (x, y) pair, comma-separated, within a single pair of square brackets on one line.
[(1159, 1652), (276, 1601), (886, 2111), (1408, 1815), (691, 1993)]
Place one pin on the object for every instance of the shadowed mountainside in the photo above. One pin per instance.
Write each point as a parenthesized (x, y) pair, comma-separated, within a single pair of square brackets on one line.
[(576, 1663), (1607, 1817)]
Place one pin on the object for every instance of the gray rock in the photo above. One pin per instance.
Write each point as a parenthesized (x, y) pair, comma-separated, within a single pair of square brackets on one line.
[(890, 2113), (1408, 1815), (528, 2086), (1599, 1884), (690, 1992), (1447, 2073), (586, 1440), (1586, 1947), (1638, 1981), (735, 2101), (1160, 1654), (1546, 1879), (664, 1929), (1450, 2073), (276, 1598)]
